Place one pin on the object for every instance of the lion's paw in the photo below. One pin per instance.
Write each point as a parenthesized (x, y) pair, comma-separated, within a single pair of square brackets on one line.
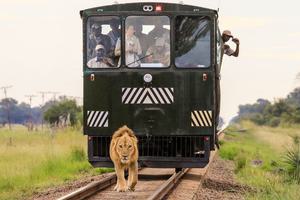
[(116, 187), (122, 189), (131, 189)]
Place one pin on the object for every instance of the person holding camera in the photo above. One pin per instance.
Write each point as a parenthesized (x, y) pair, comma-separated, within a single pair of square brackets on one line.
[(100, 60), (132, 48), (226, 35), (225, 49)]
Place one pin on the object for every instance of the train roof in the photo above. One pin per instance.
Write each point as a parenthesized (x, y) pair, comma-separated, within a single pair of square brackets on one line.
[(136, 7)]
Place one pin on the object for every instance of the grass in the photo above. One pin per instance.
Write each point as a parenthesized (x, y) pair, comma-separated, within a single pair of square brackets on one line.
[(258, 154), (32, 161)]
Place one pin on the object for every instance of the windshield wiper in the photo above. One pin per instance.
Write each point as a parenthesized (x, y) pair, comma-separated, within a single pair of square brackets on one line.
[(140, 59)]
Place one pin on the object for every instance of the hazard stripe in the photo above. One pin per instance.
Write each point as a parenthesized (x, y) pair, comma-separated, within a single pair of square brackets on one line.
[(147, 95), (97, 118), (201, 118)]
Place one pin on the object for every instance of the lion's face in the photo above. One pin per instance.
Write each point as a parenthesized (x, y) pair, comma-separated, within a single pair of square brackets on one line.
[(125, 148)]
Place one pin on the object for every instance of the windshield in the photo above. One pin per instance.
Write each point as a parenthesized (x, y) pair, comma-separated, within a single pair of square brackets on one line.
[(103, 32), (192, 46), (147, 41)]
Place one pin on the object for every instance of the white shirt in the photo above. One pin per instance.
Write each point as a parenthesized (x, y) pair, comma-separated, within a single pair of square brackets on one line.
[(131, 59), (94, 64)]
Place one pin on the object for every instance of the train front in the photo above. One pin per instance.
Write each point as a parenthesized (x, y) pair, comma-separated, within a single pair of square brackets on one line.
[(150, 67)]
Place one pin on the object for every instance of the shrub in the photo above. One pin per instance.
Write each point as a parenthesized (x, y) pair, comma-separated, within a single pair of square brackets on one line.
[(292, 159), (274, 121)]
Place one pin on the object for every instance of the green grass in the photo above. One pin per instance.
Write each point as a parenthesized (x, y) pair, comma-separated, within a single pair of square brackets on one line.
[(258, 155), (32, 161)]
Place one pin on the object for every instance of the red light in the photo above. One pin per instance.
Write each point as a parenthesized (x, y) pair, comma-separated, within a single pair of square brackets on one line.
[(158, 8), (204, 77)]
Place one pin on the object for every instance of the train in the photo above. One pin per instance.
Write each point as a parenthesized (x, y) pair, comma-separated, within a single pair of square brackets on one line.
[(154, 67)]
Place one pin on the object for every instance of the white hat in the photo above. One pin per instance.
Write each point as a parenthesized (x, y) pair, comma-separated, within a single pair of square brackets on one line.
[(99, 46), (228, 33)]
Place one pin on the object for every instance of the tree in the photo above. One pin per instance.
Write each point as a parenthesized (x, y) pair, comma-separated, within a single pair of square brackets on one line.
[(7, 105), (64, 107), (18, 113), (294, 97), (278, 108), (256, 108)]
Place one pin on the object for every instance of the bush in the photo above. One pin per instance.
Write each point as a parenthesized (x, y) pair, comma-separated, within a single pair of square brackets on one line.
[(274, 121), (292, 159)]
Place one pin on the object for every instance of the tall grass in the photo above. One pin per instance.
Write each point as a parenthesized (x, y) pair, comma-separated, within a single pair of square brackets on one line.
[(257, 154), (30, 161), (292, 159)]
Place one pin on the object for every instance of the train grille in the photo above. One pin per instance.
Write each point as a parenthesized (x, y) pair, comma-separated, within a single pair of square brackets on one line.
[(157, 146)]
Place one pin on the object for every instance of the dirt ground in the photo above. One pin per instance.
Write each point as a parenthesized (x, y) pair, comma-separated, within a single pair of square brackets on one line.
[(220, 183), (59, 191)]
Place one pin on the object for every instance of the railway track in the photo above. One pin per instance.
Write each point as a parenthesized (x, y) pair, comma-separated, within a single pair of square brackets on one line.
[(154, 183)]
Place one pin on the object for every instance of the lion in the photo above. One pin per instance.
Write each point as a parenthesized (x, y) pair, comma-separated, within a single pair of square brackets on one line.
[(124, 154)]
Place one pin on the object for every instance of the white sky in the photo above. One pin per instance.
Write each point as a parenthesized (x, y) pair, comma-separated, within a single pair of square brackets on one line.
[(41, 48)]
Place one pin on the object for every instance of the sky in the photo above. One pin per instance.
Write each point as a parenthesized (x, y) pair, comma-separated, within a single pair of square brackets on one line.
[(41, 48)]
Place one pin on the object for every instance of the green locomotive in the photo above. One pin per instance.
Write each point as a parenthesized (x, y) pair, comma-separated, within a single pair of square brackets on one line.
[(154, 68)]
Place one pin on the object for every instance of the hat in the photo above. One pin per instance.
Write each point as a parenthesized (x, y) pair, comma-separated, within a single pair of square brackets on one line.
[(160, 42), (95, 26), (228, 33), (99, 46)]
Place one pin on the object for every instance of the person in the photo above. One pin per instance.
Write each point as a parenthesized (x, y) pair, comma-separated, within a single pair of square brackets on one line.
[(143, 38), (159, 31), (159, 52), (100, 61), (225, 49), (226, 35), (115, 33), (132, 48), (95, 38)]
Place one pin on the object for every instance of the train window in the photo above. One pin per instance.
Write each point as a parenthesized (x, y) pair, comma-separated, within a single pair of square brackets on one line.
[(192, 46), (103, 32), (147, 41)]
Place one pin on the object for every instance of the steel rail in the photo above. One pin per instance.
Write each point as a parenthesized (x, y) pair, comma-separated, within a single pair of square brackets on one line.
[(165, 188), (90, 189)]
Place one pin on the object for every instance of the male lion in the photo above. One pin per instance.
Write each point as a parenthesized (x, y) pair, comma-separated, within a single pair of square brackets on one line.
[(124, 154)]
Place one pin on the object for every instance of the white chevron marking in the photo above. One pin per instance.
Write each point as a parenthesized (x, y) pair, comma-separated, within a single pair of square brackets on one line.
[(164, 95), (199, 118), (203, 118), (99, 117), (130, 95), (158, 95), (103, 119), (194, 120), (94, 118), (208, 118), (153, 97), (89, 117), (136, 95), (142, 96), (125, 94), (150, 95), (170, 94), (147, 100)]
